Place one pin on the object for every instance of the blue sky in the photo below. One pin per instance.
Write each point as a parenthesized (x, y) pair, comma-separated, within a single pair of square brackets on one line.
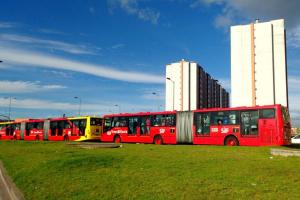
[(114, 52)]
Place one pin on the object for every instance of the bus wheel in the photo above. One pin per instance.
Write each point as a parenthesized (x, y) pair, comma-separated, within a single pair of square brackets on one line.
[(231, 141), (117, 139), (66, 138), (158, 140)]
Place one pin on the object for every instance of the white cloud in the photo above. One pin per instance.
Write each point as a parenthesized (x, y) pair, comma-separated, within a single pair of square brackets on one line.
[(293, 37), (92, 10), (25, 87), (33, 59), (7, 25), (117, 46), (50, 31), (243, 11), (294, 84), (99, 108), (132, 7), (50, 44), (58, 73)]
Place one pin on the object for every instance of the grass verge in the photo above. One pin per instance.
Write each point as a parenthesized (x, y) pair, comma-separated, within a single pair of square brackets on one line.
[(49, 170)]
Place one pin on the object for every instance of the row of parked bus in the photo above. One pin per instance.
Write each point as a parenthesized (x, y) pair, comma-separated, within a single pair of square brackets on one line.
[(251, 126), (53, 129)]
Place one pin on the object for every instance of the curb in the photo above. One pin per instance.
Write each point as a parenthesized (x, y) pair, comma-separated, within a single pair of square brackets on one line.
[(8, 189), (285, 152)]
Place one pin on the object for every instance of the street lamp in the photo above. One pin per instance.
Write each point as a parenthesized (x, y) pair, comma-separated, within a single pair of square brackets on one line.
[(116, 105), (156, 94), (79, 109), (9, 105), (173, 82)]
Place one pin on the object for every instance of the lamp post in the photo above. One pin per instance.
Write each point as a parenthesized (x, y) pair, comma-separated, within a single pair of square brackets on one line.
[(9, 105), (155, 94), (173, 82), (79, 109), (116, 105)]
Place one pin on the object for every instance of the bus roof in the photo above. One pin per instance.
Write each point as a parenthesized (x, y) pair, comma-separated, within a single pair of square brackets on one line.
[(238, 108), (84, 117), (140, 114)]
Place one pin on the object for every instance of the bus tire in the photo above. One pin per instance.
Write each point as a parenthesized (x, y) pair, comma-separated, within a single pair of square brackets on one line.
[(66, 138), (117, 139), (231, 141), (158, 140)]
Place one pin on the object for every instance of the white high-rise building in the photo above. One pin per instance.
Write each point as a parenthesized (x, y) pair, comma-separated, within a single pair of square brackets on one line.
[(258, 64), (189, 87)]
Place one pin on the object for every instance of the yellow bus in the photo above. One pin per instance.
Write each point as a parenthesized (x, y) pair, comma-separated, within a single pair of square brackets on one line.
[(86, 127)]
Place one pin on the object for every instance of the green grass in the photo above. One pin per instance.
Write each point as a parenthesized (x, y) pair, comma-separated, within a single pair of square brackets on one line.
[(48, 170)]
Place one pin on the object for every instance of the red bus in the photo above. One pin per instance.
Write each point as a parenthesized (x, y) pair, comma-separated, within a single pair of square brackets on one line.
[(158, 128), (9, 130), (251, 126)]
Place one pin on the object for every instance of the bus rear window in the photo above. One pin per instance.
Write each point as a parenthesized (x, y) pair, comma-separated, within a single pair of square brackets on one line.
[(96, 122), (267, 114)]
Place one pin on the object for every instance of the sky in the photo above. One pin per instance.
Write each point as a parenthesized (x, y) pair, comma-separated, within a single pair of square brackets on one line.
[(111, 54)]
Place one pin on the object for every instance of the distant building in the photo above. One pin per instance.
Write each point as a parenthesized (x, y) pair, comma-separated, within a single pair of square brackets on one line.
[(258, 64), (189, 87)]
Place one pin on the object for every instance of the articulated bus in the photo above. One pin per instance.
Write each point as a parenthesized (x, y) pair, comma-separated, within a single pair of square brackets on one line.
[(251, 126), (53, 129)]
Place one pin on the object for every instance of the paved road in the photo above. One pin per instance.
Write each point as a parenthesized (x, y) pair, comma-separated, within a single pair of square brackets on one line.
[(8, 190)]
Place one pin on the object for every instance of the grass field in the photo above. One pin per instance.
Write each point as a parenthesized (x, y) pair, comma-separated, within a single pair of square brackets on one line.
[(48, 170)]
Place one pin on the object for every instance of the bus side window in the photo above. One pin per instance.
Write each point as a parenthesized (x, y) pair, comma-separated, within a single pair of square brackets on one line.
[(267, 113), (53, 127), (133, 124), (40, 125), (170, 120), (225, 118), (202, 123), (157, 120), (107, 124)]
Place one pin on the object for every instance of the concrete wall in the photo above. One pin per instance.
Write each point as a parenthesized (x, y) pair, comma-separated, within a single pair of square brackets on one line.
[(241, 79)]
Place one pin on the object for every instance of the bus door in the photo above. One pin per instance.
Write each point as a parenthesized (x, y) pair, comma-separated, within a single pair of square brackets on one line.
[(95, 126), (78, 127), (144, 128), (267, 127), (16, 131), (249, 127), (133, 130), (8, 130)]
